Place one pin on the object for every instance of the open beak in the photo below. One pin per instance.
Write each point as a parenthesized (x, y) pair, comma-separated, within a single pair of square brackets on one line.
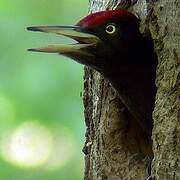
[(84, 40)]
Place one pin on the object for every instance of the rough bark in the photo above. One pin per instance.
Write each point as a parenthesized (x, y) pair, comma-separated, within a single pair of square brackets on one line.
[(112, 152), (166, 134)]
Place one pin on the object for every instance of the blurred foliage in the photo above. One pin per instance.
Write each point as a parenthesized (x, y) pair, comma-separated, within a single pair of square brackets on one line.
[(40, 87)]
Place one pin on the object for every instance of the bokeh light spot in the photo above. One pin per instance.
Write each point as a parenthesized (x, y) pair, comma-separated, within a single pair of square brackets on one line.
[(30, 145), (64, 148)]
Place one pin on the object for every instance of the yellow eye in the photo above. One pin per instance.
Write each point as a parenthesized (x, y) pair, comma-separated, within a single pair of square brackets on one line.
[(110, 29)]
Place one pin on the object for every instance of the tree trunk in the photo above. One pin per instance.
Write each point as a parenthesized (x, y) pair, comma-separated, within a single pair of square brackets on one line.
[(111, 151), (165, 21)]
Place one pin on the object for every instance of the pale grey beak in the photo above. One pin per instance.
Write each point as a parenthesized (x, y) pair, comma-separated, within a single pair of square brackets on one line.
[(84, 40)]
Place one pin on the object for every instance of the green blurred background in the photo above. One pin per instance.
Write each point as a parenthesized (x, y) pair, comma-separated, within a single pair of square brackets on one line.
[(41, 111)]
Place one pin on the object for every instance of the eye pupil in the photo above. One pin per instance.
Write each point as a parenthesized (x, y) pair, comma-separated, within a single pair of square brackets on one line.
[(110, 29)]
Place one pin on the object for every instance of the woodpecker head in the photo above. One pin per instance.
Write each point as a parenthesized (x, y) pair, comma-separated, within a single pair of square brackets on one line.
[(100, 37)]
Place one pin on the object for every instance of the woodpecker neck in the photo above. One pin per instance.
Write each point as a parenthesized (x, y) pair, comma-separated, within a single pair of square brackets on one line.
[(137, 92), (134, 80)]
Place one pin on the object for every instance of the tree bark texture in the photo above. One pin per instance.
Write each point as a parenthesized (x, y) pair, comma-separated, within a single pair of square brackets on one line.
[(165, 23), (113, 151)]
